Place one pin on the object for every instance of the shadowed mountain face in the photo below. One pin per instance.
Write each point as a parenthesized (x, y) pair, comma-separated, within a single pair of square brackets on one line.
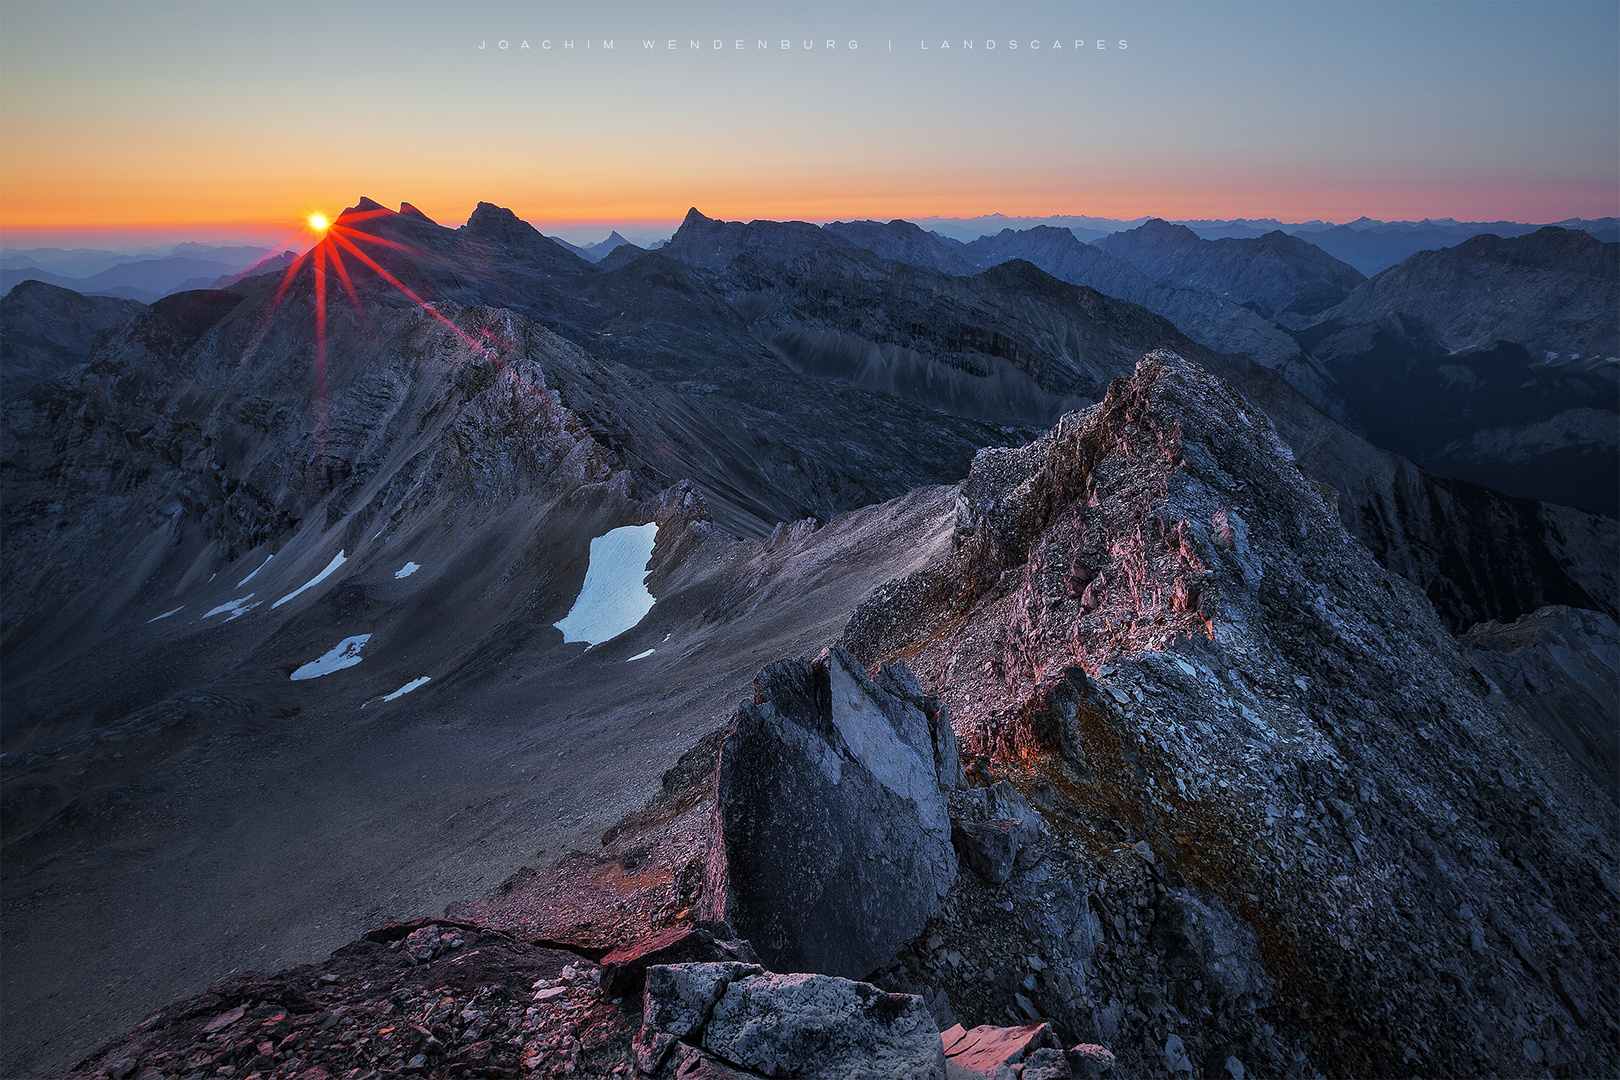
[(44, 329), (904, 242), (192, 530), (1280, 276), (1492, 361), (1214, 321)]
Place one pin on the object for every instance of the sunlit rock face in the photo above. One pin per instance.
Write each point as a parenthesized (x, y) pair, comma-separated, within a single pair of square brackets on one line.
[(1160, 620)]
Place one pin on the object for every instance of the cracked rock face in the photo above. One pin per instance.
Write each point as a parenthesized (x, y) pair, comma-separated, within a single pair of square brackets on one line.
[(832, 841), (1306, 832)]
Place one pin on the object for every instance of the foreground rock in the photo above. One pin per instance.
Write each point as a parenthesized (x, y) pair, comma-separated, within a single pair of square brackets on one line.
[(832, 842), (476, 1003), (814, 1027), (440, 998)]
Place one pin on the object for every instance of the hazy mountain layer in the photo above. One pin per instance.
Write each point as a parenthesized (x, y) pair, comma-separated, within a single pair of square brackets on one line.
[(1280, 276)]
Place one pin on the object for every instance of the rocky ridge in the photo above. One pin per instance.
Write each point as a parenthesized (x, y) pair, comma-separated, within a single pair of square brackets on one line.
[(1166, 622)]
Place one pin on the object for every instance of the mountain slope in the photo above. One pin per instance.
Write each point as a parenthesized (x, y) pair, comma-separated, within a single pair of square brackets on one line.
[(1282, 277), (1211, 321), (1491, 362), (904, 242), (44, 328)]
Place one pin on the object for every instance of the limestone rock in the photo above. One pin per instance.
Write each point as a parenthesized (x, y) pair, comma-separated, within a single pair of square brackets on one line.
[(831, 841), (624, 969), (815, 1027), (679, 997)]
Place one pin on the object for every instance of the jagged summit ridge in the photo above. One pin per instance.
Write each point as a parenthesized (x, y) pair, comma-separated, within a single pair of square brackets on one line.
[(1157, 613)]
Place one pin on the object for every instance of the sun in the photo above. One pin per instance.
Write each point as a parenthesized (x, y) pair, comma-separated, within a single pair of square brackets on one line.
[(318, 222)]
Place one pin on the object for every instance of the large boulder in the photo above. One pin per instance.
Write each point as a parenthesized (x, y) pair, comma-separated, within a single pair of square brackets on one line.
[(832, 839), (814, 1026)]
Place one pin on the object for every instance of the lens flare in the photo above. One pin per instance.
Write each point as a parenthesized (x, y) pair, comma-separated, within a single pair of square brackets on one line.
[(334, 240)]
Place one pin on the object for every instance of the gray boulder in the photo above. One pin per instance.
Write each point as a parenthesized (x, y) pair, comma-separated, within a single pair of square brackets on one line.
[(814, 1026), (997, 833), (832, 840), (679, 997)]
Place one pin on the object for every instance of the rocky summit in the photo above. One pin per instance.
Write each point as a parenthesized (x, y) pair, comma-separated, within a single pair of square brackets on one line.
[(473, 694)]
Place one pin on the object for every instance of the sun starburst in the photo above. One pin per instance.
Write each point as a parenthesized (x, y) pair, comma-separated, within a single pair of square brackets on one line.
[(329, 242)]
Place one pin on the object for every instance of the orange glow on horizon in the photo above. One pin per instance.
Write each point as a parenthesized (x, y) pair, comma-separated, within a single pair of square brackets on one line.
[(881, 199)]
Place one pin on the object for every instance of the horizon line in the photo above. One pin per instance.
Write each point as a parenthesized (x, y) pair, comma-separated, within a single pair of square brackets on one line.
[(239, 232)]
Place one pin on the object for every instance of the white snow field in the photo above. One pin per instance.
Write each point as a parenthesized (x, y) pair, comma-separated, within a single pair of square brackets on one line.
[(256, 570), (166, 614), (337, 561), (345, 653), (407, 688), (641, 655), (236, 608), (614, 597), (407, 570)]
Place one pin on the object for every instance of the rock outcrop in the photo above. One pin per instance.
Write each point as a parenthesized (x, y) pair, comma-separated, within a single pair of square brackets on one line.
[(832, 838), (1561, 667), (761, 1024), (1284, 801)]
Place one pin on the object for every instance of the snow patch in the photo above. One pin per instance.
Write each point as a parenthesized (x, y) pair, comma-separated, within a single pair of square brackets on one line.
[(407, 570), (235, 609), (614, 597), (165, 615), (337, 560), (407, 688), (255, 573), (642, 655), (344, 654)]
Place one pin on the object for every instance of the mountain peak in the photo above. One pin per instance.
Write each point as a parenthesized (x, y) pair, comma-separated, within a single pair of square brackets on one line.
[(1158, 227), (407, 210), (695, 217), (364, 205), (489, 220)]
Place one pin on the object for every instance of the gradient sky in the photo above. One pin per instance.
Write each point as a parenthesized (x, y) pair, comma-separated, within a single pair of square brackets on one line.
[(175, 121)]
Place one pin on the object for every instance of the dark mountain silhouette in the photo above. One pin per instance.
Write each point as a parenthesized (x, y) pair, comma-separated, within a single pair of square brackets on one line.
[(44, 328)]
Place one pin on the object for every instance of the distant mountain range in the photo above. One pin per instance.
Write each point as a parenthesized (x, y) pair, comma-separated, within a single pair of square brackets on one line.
[(146, 278), (1487, 360), (1366, 244), (1493, 361)]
